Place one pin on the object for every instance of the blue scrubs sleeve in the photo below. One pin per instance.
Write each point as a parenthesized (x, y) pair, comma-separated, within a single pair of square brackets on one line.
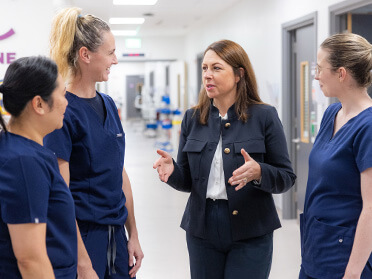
[(362, 147), (60, 141), (24, 190)]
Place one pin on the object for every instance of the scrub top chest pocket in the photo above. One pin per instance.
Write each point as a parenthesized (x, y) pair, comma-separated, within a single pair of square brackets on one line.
[(111, 145), (194, 149), (254, 147)]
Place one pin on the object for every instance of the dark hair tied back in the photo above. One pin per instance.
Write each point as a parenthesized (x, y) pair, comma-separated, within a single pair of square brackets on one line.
[(26, 78)]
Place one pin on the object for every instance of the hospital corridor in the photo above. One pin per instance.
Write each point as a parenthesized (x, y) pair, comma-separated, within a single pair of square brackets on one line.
[(186, 139)]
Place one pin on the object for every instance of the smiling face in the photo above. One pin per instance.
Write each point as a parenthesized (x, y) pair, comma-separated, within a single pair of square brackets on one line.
[(103, 58), (327, 77), (219, 79)]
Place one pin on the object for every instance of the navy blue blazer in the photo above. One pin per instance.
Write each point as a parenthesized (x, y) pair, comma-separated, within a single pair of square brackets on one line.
[(252, 208)]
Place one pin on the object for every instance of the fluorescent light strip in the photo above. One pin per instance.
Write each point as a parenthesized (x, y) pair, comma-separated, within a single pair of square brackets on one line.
[(124, 32), (126, 20), (135, 2)]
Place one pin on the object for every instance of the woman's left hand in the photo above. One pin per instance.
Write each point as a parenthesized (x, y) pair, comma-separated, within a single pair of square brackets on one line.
[(135, 253), (251, 170)]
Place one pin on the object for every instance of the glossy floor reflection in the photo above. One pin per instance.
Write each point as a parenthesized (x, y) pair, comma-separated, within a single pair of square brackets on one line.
[(159, 209)]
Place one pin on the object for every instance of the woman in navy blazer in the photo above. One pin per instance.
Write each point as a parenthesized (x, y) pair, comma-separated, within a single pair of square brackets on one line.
[(232, 157)]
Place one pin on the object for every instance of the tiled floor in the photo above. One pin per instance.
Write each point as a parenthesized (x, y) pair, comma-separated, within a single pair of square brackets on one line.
[(159, 208)]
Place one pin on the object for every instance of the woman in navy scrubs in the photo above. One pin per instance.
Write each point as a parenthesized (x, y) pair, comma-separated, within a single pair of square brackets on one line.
[(90, 149), (336, 225), (37, 216), (232, 157)]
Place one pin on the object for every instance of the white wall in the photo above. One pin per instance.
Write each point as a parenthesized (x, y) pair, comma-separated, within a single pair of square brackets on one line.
[(31, 21), (154, 48)]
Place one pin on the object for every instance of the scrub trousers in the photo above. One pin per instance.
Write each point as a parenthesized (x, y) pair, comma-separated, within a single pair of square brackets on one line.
[(219, 257), (107, 247), (366, 274)]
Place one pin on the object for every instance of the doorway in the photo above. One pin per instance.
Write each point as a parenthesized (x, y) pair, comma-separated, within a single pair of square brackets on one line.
[(353, 17), (199, 78), (134, 94), (299, 39)]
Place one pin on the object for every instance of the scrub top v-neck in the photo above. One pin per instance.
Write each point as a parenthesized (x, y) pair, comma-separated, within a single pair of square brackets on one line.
[(333, 200), (33, 191), (95, 153)]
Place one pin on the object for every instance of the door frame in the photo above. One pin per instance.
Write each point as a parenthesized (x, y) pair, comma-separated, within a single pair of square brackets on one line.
[(335, 20), (289, 207), (341, 8)]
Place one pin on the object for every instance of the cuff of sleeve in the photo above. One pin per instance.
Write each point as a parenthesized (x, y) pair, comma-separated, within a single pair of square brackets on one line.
[(172, 177), (257, 182)]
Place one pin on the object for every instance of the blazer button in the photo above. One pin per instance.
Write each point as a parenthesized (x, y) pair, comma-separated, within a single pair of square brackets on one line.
[(227, 150), (227, 125), (235, 212)]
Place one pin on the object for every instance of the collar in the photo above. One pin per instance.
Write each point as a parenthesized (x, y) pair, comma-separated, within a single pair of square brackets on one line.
[(215, 113)]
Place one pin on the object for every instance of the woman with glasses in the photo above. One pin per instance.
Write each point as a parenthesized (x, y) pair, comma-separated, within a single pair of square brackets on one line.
[(336, 225)]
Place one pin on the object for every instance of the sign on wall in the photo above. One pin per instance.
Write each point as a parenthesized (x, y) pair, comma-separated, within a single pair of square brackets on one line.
[(7, 57)]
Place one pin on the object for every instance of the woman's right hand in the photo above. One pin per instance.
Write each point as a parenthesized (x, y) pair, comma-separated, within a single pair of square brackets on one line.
[(164, 165)]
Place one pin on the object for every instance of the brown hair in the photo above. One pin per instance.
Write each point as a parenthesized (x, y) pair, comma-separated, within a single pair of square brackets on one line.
[(70, 32), (354, 53), (247, 91)]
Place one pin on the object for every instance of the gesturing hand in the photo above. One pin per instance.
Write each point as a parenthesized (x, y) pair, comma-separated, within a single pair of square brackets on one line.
[(249, 171), (164, 165)]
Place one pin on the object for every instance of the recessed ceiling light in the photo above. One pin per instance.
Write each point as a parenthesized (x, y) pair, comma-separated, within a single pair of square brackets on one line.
[(124, 32), (135, 2), (126, 20)]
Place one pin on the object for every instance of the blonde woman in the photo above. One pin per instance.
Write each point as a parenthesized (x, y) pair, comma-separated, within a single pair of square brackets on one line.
[(90, 149), (336, 226)]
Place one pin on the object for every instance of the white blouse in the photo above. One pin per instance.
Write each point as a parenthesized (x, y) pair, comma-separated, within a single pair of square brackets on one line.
[(216, 188)]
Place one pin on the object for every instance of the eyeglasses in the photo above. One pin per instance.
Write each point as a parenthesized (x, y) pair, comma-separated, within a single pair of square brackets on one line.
[(318, 69)]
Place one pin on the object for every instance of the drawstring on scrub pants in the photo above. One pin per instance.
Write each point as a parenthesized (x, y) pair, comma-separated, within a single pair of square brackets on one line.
[(111, 250)]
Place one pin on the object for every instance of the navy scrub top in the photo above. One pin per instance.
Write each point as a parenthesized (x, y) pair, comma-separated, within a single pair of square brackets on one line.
[(33, 191), (333, 200), (95, 153)]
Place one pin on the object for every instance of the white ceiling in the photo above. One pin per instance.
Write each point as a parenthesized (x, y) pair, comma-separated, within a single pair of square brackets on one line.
[(170, 17)]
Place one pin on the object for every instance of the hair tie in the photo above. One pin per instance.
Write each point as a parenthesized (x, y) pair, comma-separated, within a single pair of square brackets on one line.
[(80, 16)]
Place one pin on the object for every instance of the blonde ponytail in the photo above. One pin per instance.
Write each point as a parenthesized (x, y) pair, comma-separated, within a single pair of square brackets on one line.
[(62, 38)]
